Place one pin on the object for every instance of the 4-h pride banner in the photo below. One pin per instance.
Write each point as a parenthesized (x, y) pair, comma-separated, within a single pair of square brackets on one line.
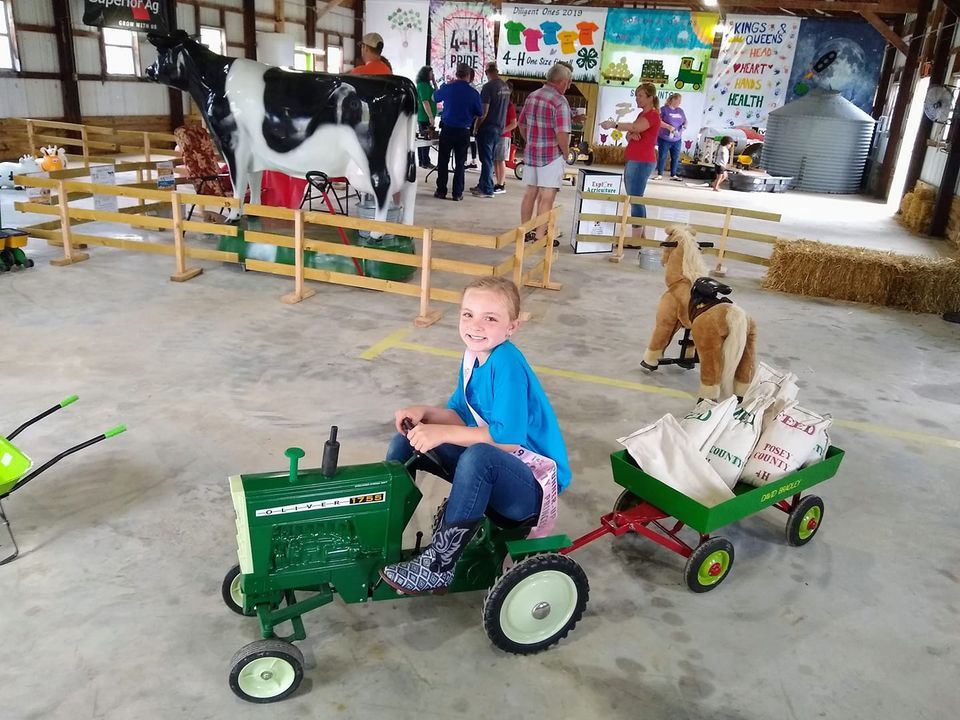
[(460, 32), (534, 37), (752, 72), (403, 27), (670, 49)]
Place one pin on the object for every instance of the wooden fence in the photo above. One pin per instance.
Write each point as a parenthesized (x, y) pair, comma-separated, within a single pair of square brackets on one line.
[(88, 144), (529, 264), (725, 231)]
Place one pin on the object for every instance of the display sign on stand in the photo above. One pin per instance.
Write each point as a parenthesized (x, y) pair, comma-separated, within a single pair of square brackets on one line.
[(166, 179), (104, 175), (585, 234), (39, 195)]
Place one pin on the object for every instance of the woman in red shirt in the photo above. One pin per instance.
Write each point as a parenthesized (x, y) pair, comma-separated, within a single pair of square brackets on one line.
[(641, 153)]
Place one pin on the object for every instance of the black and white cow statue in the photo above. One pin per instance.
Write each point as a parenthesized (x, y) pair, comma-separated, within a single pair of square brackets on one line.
[(361, 127)]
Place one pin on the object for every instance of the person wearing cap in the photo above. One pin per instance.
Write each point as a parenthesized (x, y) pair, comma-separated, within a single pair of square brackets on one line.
[(461, 108), (371, 47), (495, 96)]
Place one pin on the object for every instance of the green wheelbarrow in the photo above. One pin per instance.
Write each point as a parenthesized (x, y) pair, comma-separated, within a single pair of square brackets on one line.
[(15, 466)]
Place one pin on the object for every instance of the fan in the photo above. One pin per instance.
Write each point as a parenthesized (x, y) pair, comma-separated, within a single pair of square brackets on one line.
[(938, 103)]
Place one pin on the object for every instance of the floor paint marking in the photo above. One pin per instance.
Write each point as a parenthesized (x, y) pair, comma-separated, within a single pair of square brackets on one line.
[(397, 341)]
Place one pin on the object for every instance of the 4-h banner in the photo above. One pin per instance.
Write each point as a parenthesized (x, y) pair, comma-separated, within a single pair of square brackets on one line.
[(670, 49), (403, 27), (752, 71), (460, 32), (534, 37)]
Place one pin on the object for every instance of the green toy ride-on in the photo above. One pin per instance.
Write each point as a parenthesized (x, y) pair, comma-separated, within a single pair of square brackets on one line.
[(329, 531), (15, 466)]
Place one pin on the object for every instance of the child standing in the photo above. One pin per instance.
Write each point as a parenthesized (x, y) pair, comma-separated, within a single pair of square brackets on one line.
[(722, 161), (497, 418)]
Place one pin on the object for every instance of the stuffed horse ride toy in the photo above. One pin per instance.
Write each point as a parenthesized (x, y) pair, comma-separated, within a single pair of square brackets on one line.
[(723, 334)]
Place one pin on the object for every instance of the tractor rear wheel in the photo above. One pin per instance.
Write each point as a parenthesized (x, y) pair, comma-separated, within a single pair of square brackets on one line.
[(535, 603), (266, 671), (232, 592)]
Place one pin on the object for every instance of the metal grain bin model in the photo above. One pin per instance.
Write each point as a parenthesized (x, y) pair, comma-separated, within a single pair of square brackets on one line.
[(822, 140)]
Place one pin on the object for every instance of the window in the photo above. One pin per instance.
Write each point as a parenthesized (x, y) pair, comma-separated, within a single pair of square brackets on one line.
[(334, 59), (214, 39), (302, 60), (120, 50), (8, 42)]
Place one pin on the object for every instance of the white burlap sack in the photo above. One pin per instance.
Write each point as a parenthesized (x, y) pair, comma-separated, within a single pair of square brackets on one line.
[(820, 447), (707, 420), (664, 451), (733, 447), (784, 445), (768, 381)]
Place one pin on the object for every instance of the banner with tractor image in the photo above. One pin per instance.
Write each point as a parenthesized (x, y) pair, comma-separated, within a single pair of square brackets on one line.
[(668, 48)]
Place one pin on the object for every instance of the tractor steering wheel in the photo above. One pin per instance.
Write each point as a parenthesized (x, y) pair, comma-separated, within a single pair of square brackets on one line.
[(407, 425)]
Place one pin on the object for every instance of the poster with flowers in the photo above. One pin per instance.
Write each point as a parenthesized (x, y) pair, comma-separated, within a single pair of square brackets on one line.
[(460, 32), (668, 48), (752, 71), (403, 27), (534, 37)]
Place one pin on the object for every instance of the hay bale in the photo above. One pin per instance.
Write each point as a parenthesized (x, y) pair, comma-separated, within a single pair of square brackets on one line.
[(608, 155), (921, 284)]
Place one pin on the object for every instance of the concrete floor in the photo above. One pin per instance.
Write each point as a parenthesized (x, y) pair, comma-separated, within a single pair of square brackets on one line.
[(113, 609)]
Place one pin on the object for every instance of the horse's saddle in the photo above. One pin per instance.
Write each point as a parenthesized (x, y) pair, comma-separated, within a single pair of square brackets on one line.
[(705, 294)]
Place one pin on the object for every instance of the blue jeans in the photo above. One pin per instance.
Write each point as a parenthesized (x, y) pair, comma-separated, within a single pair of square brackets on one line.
[(423, 153), (672, 147), (635, 177), (487, 137), (484, 477)]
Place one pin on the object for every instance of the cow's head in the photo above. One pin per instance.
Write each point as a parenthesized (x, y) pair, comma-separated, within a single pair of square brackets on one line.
[(168, 68)]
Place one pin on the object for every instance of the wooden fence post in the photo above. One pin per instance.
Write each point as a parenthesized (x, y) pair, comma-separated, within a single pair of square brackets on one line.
[(299, 291), (146, 153), (33, 144), (427, 317), (86, 147), (69, 256), (720, 270), (183, 273), (549, 251), (518, 258), (624, 215)]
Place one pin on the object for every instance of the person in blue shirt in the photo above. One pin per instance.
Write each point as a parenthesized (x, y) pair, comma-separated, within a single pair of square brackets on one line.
[(461, 108), (500, 413)]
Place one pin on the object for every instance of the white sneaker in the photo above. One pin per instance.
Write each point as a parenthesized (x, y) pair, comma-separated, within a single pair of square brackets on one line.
[(657, 177)]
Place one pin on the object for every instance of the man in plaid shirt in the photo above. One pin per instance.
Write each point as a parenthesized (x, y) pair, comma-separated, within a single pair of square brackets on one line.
[(544, 124)]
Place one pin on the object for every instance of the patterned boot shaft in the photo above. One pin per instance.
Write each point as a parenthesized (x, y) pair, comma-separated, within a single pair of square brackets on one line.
[(433, 569)]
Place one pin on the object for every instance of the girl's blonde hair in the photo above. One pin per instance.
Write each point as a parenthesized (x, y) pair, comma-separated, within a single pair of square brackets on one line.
[(650, 90), (501, 285)]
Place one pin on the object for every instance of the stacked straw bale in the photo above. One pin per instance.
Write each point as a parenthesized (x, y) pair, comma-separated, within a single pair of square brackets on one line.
[(921, 284), (608, 155), (916, 207)]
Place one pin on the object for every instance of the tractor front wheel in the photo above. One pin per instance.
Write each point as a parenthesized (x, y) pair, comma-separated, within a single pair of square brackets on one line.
[(266, 671), (535, 603), (518, 169), (232, 592)]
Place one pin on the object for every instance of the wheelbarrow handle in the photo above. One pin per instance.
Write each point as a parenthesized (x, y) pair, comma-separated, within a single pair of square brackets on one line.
[(63, 403), (76, 448)]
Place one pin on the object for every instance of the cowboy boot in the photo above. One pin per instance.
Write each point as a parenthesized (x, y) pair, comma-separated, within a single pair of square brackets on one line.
[(432, 570)]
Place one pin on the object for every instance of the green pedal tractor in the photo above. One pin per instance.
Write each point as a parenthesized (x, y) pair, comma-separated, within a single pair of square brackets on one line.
[(304, 536)]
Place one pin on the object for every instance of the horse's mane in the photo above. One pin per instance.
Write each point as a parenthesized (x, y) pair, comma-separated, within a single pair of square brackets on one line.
[(693, 266)]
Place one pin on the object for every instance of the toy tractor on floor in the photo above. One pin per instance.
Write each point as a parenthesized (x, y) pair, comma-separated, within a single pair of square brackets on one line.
[(304, 536)]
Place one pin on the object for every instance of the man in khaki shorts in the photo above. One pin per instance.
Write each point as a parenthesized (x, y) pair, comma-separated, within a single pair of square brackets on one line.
[(544, 124)]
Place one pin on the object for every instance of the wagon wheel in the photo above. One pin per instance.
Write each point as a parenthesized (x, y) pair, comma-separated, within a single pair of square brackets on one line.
[(709, 564), (804, 520), (572, 156), (626, 501), (232, 592), (535, 603), (266, 671), (589, 160), (518, 169)]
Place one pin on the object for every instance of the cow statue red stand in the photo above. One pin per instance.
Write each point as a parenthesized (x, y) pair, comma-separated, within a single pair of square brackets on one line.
[(268, 118)]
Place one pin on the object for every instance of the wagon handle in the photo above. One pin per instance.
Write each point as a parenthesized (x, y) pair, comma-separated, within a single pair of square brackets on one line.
[(93, 441), (62, 404)]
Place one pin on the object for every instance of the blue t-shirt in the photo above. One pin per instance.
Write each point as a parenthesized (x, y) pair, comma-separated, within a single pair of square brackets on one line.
[(461, 104), (507, 394)]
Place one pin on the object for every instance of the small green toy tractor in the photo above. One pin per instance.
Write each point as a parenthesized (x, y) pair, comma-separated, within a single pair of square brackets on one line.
[(15, 465), (329, 531)]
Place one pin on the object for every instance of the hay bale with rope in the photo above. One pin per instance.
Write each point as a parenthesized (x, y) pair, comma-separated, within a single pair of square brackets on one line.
[(920, 284), (916, 207)]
